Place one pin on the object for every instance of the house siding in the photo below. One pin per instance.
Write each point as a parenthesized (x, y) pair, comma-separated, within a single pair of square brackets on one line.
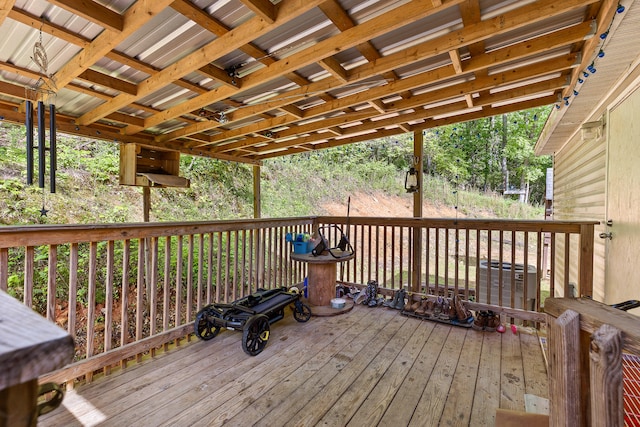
[(579, 194)]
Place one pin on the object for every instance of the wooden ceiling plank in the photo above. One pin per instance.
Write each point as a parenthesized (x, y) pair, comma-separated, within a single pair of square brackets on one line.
[(263, 8), (525, 105), (396, 18), (224, 44), (94, 12)]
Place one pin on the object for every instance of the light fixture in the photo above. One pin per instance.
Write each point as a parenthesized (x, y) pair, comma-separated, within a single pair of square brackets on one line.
[(411, 181)]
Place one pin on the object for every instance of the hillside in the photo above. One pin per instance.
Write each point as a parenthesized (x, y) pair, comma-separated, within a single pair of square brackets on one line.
[(316, 184)]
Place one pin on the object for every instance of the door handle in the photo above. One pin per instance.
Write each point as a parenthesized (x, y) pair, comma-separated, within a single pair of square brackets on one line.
[(608, 235)]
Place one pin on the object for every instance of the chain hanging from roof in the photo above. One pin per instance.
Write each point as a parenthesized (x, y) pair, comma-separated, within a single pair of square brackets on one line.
[(42, 92)]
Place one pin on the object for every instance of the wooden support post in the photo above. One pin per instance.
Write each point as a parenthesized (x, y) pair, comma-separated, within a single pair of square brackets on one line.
[(564, 369), (146, 203), (257, 205), (416, 273), (586, 260), (607, 406)]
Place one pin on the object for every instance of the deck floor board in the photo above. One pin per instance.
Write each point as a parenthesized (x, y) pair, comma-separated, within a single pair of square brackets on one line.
[(371, 366)]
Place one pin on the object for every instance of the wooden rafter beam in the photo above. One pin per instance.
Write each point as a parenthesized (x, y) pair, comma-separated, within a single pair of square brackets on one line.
[(300, 146), (221, 76), (224, 44), (105, 80), (500, 56), (94, 12), (335, 68), (135, 17), (394, 19), (62, 33), (263, 8), (202, 18), (301, 129), (5, 8), (505, 97)]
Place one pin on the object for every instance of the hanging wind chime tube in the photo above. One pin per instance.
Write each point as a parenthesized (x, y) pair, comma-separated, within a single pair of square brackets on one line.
[(52, 148), (41, 146), (29, 125)]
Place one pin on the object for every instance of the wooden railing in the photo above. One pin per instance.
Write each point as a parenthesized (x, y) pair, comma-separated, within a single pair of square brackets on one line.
[(588, 342), (122, 290), (470, 257)]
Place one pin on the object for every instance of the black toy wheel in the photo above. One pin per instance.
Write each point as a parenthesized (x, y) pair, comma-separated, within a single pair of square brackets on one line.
[(204, 327), (255, 334), (301, 312)]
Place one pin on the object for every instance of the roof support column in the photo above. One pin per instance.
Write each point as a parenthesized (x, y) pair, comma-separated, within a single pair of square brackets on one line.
[(416, 270), (256, 191)]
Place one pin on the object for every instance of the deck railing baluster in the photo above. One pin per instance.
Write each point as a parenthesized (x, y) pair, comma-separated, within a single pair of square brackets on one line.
[(124, 293), (91, 302), (108, 295), (28, 276), (167, 286), (200, 271)]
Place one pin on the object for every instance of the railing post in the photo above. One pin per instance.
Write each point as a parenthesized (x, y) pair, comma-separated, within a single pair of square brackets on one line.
[(416, 236), (607, 406), (564, 370), (586, 260), (257, 200)]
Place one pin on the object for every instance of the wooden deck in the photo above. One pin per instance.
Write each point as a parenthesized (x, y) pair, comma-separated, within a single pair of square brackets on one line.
[(371, 366)]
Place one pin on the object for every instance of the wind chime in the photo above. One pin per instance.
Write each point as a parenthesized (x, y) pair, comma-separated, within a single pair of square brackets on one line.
[(42, 93)]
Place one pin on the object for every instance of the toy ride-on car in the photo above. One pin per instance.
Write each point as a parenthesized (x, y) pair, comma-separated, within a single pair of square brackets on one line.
[(252, 314)]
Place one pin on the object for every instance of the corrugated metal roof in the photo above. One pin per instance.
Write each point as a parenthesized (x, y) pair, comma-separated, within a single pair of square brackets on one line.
[(215, 77)]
